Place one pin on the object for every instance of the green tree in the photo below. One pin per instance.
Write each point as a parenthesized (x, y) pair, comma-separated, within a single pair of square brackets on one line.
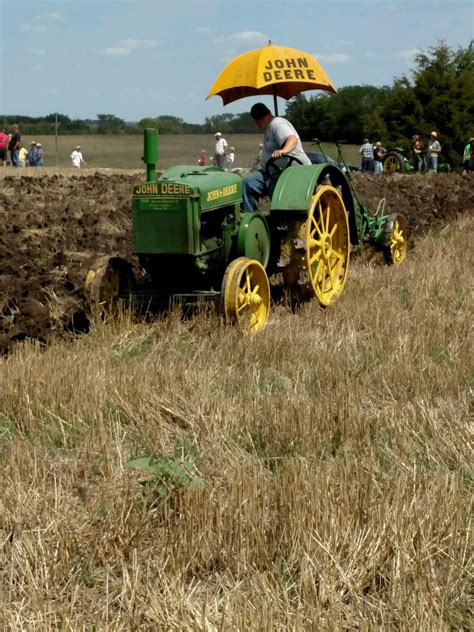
[(110, 124)]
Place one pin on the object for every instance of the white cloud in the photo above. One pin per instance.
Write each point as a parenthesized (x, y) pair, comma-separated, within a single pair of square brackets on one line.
[(124, 47), (333, 58), (55, 16), (245, 37), (407, 55), (32, 28), (115, 52), (132, 44)]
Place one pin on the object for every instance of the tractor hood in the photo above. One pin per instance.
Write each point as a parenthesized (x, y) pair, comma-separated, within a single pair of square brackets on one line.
[(214, 187)]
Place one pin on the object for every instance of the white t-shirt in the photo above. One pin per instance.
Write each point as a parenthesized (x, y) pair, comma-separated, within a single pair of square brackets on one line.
[(76, 158), (221, 146), (276, 133)]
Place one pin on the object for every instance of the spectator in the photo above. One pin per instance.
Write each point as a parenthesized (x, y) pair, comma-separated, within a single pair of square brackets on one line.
[(467, 158), (417, 149), (432, 152), (39, 155), (280, 139), (221, 146), (77, 158), (231, 158), (257, 163), (378, 157), (32, 154), (367, 152), (22, 156), (14, 145), (202, 158), (4, 140)]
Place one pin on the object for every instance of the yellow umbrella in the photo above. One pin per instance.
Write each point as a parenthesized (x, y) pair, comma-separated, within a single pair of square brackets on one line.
[(277, 70)]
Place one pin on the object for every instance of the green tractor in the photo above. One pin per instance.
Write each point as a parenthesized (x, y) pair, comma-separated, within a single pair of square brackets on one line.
[(195, 242)]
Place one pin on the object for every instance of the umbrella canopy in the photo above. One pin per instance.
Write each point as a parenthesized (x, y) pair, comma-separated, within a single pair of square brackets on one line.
[(275, 70)]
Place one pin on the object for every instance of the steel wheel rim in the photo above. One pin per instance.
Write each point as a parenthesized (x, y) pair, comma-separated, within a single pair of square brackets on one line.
[(247, 295), (391, 164), (327, 244)]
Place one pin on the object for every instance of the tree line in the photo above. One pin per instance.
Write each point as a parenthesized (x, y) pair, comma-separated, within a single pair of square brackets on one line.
[(439, 96)]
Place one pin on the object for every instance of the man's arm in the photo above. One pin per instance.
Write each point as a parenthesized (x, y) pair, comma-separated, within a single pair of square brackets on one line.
[(288, 146)]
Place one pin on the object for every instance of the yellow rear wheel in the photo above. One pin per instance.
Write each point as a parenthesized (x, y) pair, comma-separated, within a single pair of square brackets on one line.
[(246, 294), (327, 244)]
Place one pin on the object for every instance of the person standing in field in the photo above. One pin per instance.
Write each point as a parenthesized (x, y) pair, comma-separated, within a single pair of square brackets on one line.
[(14, 145), (231, 158), (432, 152), (22, 156), (378, 156), (202, 158), (220, 151), (4, 140), (39, 155), (468, 156), (32, 154), (77, 158), (417, 148), (367, 152)]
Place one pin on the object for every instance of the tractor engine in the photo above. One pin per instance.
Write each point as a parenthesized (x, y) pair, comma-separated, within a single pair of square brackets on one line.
[(184, 224)]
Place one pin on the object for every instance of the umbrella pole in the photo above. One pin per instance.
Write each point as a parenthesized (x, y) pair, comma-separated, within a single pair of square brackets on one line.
[(275, 101)]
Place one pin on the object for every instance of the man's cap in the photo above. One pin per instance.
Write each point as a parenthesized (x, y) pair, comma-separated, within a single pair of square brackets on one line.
[(33, 142), (217, 134), (471, 140), (366, 140), (78, 146), (378, 144), (415, 137), (38, 145), (232, 149), (434, 134), (258, 111)]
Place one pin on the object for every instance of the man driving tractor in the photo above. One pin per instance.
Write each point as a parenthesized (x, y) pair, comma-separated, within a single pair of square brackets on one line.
[(280, 138)]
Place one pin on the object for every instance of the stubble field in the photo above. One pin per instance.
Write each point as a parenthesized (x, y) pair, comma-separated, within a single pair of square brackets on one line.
[(317, 476)]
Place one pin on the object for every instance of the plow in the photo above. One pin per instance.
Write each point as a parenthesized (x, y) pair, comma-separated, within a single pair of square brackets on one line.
[(195, 243)]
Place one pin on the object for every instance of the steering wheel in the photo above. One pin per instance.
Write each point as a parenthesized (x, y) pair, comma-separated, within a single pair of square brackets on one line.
[(273, 171)]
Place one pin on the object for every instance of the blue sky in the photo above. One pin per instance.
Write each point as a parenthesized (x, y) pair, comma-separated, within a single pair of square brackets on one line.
[(138, 58)]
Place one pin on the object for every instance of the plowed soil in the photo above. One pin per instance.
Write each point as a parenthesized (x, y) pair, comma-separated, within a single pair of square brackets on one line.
[(54, 226)]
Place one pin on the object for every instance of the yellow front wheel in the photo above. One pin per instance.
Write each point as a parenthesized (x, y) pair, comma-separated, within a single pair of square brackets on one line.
[(327, 244), (395, 237), (246, 294), (107, 279)]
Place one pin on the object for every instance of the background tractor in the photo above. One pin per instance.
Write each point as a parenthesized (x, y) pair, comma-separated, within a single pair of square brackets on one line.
[(396, 160), (194, 241)]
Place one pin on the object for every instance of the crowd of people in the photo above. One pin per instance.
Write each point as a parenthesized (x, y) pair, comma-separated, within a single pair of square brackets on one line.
[(423, 156), (15, 154)]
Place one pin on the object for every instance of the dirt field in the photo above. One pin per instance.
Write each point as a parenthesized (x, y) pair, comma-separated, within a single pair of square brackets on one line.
[(54, 226)]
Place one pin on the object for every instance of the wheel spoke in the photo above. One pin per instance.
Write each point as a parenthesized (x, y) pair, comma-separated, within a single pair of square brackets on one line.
[(333, 230), (247, 281), (315, 257), (316, 225), (328, 210)]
